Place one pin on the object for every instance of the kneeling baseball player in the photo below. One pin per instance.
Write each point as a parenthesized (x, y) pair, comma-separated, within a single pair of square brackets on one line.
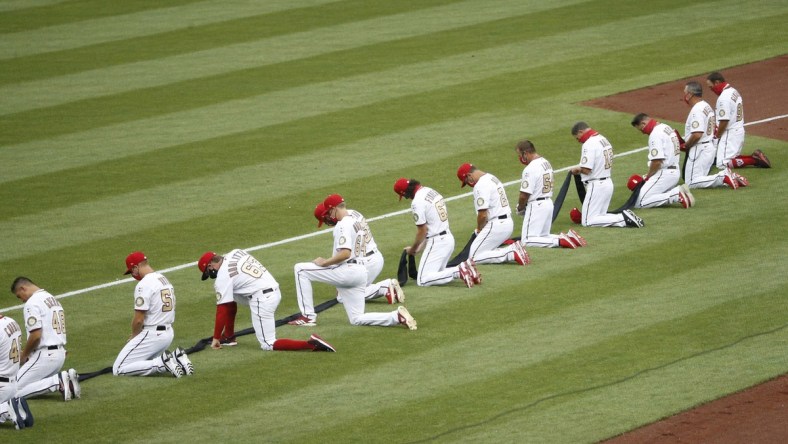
[(238, 276)]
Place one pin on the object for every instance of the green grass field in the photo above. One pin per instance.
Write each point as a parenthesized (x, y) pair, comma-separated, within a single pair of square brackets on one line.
[(183, 126)]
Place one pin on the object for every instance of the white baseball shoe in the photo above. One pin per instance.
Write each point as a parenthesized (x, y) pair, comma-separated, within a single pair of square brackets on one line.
[(73, 379), (171, 364), (398, 294), (686, 198), (576, 237), (405, 318), (184, 361), (520, 255), (730, 180), (65, 386), (465, 274), (303, 321)]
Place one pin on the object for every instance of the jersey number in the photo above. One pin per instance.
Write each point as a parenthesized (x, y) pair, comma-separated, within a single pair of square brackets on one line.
[(252, 267), (547, 183), (166, 300), (15, 354), (440, 207), (608, 153), (59, 322), (502, 195)]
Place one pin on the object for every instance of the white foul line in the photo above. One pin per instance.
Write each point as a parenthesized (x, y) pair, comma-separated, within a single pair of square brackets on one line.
[(328, 230)]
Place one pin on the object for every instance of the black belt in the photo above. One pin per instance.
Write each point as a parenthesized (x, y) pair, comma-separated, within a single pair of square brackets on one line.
[(671, 168), (541, 198), (502, 216), (591, 180), (370, 253), (53, 347), (4, 379), (158, 327), (352, 261), (268, 290), (440, 234)]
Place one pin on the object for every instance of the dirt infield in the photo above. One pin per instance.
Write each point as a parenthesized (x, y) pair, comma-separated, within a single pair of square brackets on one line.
[(758, 414), (755, 415), (763, 86)]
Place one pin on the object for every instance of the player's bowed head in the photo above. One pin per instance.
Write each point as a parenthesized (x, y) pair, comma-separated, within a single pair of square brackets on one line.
[(406, 187)]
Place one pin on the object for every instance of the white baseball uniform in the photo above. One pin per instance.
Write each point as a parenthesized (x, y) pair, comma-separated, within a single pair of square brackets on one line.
[(141, 356), (429, 209), (349, 277), (730, 107), (489, 194), (373, 262), (700, 157), (39, 374), (597, 155), (10, 354), (661, 188), (244, 279), (537, 181)]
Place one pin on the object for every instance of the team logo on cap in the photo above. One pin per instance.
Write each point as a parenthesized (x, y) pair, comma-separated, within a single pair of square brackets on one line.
[(31, 321), (139, 302)]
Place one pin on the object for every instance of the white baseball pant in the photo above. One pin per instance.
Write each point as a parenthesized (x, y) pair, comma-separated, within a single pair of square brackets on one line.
[(729, 146), (40, 374), (350, 280), (141, 356), (660, 189), (434, 257), (485, 249), (595, 205), (537, 222), (700, 159)]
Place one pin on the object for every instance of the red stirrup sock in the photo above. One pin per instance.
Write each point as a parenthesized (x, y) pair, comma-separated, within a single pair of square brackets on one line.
[(291, 344)]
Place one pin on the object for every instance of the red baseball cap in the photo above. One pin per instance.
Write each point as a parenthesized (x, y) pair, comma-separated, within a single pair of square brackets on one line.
[(332, 201), (134, 259), (462, 172), (202, 264), (320, 213), (400, 186)]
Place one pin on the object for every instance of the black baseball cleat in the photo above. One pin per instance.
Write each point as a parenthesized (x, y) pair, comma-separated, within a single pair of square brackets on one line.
[(632, 219), (320, 344)]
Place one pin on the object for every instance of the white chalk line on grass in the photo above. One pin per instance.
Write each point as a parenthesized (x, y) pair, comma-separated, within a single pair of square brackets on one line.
[(328, 230)]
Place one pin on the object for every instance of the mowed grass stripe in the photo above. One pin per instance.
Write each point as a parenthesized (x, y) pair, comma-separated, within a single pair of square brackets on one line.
[(42, 14), (195, 64), (194, 39), (100, 111), (16, 5), (56, 226), (312, 100), (138, 24)]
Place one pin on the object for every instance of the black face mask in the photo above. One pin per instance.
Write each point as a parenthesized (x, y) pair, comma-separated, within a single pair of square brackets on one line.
[(209, 274)]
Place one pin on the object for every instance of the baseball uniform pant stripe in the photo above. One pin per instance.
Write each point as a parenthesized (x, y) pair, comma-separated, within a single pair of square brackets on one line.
[(119, 365), (432, 255)]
